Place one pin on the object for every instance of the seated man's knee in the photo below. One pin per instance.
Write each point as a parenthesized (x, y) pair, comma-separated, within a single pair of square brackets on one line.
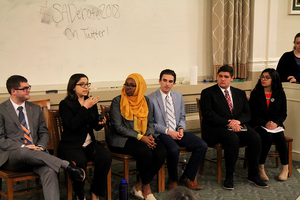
[(174, 151)]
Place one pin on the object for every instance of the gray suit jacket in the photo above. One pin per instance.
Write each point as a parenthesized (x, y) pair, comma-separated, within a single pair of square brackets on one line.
[(122, 129), (158, 111), (11, 133)]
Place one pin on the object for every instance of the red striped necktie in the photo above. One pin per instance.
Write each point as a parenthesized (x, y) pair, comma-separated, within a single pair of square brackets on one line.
[(228, 99)]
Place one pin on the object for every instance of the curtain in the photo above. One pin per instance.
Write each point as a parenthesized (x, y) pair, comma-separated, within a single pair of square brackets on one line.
[(230, 35)]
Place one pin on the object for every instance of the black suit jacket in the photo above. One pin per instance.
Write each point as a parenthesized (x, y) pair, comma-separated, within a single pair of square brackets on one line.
[(277, 111), (77, 123), (215, 109)]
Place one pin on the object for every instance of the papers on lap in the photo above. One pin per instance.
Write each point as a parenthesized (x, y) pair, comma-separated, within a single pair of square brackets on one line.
[(276, 130)]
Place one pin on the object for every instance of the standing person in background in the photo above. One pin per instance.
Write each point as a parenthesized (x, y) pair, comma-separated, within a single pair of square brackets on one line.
[(132, 132), (79, 114), (289, 64), (268, 110), (169, 122), (24, 138)]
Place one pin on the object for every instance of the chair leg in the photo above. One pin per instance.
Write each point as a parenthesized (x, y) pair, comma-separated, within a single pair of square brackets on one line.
[(108, 196), (69, 187), (161, 179), (246, 159), (219, 164), (27, 184), (201, 168), (10, 189), (0, 186), (126, 169), (37, 183), (290, 148), (276, 158)]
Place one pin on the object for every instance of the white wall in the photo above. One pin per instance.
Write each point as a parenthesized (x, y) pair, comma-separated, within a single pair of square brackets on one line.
[(272, 33), (146, 37), (287, 27)]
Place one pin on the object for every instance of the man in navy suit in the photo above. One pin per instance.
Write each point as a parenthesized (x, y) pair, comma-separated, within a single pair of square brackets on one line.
[(169, 122), (24, 138), (226, 112)]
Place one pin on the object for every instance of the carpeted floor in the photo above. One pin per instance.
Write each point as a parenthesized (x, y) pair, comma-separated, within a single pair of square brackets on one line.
[(289, 190)]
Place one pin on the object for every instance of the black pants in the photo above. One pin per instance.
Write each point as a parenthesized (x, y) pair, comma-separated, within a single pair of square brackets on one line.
[(97, 153), (148, 161), (266, 141), (231, 141)]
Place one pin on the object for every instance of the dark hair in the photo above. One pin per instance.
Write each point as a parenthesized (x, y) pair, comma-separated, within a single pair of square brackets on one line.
[(226, 68), (72, 84), (180, 193), (296, 36), (168, 71), (276, 83), (14, 81)]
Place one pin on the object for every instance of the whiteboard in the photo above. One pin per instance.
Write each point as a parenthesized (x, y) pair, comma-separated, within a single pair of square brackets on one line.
[(47, 41)]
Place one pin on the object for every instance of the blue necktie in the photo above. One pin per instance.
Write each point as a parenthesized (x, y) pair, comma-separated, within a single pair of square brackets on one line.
[(27, 139)]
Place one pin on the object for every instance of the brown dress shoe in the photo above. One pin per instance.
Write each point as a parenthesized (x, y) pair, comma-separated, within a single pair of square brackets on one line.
[(190, 184), (171, 185)]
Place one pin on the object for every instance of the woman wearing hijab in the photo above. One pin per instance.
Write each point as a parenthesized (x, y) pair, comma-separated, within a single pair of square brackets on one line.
[(132, 130)]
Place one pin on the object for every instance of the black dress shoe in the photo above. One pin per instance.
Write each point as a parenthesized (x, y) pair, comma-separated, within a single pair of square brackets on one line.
[(228, 184), (76, 172), (258, 182)]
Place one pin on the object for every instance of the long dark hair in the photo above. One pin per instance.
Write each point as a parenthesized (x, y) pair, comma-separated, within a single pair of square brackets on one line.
[(72, 84), (276, 83)]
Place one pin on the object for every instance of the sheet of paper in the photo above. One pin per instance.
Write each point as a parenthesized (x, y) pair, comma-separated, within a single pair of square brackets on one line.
[(276, 130)]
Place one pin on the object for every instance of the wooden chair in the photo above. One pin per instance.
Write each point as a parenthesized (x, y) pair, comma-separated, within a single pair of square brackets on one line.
[(126, 159), (57, 129), (275, 154), (219, 159), (12, 177), (45, 105)]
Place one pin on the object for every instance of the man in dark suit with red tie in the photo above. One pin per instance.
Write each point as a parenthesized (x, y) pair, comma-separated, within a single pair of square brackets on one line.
[(24, 138), (226, 112)]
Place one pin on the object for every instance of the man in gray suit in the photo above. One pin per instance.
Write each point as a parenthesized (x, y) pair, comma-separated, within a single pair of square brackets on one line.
[(169, 122), (24, 138)]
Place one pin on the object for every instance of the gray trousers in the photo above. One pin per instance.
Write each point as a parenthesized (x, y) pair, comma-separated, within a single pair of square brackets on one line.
[(42, 163)]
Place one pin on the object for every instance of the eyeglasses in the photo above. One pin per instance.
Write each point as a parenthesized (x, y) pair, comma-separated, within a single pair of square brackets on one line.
[(84, 84), (129, 86), (25, 89), (265, 77)]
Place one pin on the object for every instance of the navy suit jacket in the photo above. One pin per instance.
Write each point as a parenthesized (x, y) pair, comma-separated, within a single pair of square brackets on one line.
[(11, 133), (159, 113)]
